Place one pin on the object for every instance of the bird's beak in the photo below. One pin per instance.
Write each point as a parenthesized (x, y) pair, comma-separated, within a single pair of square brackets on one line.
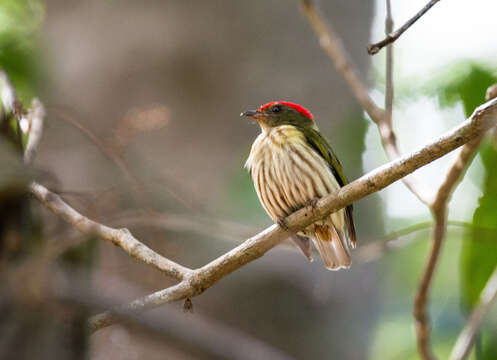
[(251, 113)]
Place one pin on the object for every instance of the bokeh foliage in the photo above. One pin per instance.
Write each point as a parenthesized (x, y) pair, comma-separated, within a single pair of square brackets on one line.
[(20, 22), (479, 251), (472, 252)]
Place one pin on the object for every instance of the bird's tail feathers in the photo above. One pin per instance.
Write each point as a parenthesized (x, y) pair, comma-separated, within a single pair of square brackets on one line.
[(332, 246)]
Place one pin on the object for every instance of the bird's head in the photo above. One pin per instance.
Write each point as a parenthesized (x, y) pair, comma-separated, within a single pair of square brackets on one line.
[(276, 113)]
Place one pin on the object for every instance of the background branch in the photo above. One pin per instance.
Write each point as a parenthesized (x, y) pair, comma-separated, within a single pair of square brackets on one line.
[(464, 342), (333, 46), (439, 211), (120, 237)]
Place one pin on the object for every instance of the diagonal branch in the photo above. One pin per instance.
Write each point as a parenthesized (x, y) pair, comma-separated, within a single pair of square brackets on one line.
[(120, 237), (392, 36), (464, 342), (389, 68), (439, 211), (333, 46), (201, 279)]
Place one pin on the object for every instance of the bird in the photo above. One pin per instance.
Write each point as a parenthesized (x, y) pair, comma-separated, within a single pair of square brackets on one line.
[(292, 165)]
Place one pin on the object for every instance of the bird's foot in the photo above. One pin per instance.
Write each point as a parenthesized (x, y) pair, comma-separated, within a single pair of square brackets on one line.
[(282, 223), (313, 203)]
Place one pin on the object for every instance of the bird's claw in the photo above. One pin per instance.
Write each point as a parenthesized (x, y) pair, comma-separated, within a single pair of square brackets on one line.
[(282, 223), (313, 203)]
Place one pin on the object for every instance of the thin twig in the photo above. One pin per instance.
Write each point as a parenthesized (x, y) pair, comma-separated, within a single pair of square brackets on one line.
[(199, 224), (464, 342), (108, 149), (333, 46), (389, 68), (376, 249), (120, 237), (439, 211), (130, 178), (201, 279), (385, 127), (392, 36)]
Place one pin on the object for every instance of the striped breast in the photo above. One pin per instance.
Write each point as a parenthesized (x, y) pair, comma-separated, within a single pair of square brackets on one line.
[(287, 173)]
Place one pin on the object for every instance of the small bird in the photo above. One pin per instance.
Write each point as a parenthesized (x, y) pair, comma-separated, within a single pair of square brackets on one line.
[(292, 165)]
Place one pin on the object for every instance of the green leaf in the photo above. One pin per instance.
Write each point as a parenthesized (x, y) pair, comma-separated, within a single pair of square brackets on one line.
[(467, 82)]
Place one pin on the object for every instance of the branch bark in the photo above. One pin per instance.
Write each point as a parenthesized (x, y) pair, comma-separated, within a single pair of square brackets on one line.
[(201, 279), (120, 237), (392, 36)]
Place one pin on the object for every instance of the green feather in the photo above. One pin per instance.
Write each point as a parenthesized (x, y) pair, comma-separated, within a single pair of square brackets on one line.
[(321, 146)]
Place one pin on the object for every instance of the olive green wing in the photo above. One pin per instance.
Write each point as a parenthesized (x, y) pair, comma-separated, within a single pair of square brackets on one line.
[(321, 146)]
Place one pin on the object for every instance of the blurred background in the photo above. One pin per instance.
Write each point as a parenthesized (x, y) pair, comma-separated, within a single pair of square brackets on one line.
[(143, 131)]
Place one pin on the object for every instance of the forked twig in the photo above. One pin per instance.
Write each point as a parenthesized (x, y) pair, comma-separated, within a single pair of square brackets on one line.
[(392, 36)]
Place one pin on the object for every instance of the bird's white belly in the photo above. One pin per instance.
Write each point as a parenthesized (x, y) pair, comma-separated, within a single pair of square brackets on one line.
[(288, 176)]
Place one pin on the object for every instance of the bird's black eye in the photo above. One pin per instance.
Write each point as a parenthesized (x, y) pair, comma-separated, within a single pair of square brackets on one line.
[(276, 108)]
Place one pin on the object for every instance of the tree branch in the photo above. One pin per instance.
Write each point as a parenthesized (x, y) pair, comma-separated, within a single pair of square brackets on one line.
[(120, 237), (333, 46), (464, 342), (389, 68), (392, 36), (439, 211), (201, 279)]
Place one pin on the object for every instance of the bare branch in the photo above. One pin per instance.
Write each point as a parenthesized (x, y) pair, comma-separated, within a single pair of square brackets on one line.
[(333, 46), (120, 237), (375, 249), (439, 211), (112, 152), (201, 279), (389, 68), (392, 36), (464, 342), (130, 178)]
